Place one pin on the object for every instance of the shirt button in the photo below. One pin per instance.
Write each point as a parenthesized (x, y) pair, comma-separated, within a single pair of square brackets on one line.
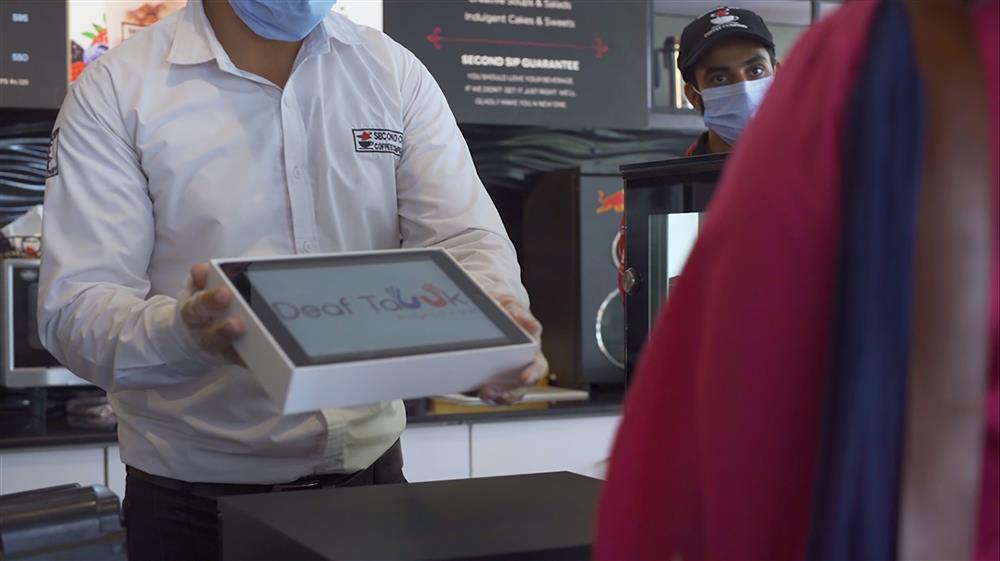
[(308, 246), (297, 172)]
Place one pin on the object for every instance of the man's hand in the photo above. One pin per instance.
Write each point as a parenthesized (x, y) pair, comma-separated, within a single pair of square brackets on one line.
[(507, 394), (204, 314)]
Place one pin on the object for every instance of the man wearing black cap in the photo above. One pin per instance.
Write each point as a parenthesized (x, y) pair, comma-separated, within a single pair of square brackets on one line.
[(727, 61)]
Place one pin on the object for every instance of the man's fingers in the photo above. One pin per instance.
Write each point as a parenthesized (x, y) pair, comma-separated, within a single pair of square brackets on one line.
[(528, 323), (200, 308), (219, 337), (217, 298), (535, 371), (489, 394), (200, 313), (504, 299), (498, 395), (194, 313), (520, 315), (510, 397), (506, 394), (199, 276), (523, 318)]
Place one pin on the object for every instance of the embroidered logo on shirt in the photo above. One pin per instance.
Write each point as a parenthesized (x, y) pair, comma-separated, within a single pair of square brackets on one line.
[(378, 140), (52, 166)]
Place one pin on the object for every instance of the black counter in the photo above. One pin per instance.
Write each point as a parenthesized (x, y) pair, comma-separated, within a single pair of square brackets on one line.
[(540, 516), (36, 418), (22, 429)]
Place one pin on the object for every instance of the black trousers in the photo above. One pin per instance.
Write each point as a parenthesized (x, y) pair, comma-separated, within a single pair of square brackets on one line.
[(172, 520)]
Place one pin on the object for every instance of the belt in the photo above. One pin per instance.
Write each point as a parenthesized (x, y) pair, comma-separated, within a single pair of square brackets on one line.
[(214, 490)]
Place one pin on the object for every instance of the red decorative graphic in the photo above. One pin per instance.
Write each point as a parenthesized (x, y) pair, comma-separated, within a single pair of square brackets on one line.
[(600, 47), (437, 39), (365, 140), (613, 202)]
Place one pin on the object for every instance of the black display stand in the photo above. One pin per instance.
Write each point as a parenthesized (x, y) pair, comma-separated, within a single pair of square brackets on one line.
[(681, 185), (542, 516)]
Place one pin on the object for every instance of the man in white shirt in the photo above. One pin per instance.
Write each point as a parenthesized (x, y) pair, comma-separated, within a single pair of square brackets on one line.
[(235, 128)]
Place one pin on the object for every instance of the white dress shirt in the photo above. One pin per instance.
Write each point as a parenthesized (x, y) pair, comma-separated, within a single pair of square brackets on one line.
[(166, 155)]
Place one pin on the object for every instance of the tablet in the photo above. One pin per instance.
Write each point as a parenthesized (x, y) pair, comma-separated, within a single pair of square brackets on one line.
[(411, 319)]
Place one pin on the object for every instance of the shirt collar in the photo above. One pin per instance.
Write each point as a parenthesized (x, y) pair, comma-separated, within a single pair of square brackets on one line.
[(338, 28), (194, 41)]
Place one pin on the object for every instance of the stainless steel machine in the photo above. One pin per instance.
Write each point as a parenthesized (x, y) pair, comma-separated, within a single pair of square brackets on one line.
[(26, 363)]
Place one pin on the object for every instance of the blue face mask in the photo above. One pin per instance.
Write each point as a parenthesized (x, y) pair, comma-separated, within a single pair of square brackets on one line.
[(728, 109), (282, 20)]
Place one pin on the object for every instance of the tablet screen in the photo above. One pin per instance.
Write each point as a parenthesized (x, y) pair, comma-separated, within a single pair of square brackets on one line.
[(343, 308)]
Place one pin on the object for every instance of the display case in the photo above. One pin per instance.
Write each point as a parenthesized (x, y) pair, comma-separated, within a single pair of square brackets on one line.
[(664, 206), (571, 223)]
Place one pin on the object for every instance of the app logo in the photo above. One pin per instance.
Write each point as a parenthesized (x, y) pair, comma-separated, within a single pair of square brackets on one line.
[(429, 298)]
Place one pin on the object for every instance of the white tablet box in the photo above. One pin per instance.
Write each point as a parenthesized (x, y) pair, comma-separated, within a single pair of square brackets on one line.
[(298, 388)]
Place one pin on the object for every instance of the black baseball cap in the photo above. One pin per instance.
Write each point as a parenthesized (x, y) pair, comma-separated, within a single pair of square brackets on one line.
[(721, 23)]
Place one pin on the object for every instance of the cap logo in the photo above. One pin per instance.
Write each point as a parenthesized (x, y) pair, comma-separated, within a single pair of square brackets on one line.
[(721, 16), (721, 19)]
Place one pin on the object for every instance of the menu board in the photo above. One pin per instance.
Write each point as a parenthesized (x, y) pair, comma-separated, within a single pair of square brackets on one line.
[(560, 63), (46, 43), (33, 57)]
